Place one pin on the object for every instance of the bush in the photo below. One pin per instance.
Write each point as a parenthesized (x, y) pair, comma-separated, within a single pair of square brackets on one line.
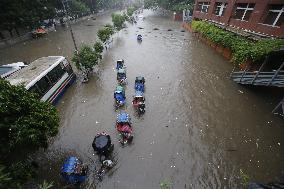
[(242, 49)]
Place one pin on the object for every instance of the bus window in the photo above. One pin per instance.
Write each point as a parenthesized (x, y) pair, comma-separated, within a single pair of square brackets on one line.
[(43, 85), (69, 69), (35, 90), (55, 74)]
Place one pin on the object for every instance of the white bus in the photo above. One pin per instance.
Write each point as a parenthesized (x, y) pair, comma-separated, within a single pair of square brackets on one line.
[(9, 69), (46, 76)]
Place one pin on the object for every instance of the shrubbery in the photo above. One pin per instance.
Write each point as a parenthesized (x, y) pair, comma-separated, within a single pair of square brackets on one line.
[(242, 48)]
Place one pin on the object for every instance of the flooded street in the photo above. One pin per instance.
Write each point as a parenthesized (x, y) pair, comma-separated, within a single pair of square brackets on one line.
[(199, 129)]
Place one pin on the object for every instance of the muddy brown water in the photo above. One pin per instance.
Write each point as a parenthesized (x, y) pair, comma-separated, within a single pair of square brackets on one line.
[(199, 129)]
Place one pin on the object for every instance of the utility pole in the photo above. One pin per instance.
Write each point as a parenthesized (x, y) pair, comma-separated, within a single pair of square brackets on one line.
[(66, 7)]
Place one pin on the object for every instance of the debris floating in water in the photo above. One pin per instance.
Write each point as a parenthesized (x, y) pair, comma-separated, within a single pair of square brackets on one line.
[(256, 145), (278, 143), (241, 91), (97, 122)]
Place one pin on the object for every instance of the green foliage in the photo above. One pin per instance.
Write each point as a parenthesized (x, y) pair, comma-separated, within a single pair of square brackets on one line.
[(86, 58), (4, 177), (77, 6), (243, 49), (25, 120), (19, 13), (105, 33), (174, 5), (118, 21), (130, 11), (98, 46), (45, 185), (165, 185), (26, 123), (109, 4), (15, 175), (245, 179)]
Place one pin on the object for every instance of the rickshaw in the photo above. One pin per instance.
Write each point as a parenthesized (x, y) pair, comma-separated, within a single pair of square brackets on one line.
[(139, 102), (39, 32), (139, 84), (121, 76), (102, 145), (119, 96), (139, 37), (123, 126), (74, 171), (119, 64)]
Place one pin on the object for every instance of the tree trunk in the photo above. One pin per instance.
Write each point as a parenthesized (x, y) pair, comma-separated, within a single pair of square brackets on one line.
[(1, 36), (17, 31), (11, 32)]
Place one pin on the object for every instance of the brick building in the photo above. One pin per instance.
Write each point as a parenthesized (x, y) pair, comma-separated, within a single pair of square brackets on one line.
[(257, 17)]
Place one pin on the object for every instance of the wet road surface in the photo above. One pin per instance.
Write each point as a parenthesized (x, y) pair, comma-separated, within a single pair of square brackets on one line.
[(199, 129)]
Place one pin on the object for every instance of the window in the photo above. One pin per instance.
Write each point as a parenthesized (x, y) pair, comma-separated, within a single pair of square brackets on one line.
[(220, 9), (243, 11), (34, 89), (43, 85), (203, 6), (55, 74), (275, 15)]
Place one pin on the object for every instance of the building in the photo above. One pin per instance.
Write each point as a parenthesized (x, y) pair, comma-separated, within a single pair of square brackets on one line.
[(263, 18)]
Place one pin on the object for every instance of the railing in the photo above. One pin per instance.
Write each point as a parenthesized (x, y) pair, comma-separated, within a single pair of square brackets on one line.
[(273, 78), (279, 109)]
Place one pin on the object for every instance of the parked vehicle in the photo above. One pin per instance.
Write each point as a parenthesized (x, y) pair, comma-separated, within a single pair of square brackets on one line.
[(74, 171), (119, 64), (9, 69), (139, 84), (121, 76), (48, 77), (139, 102), (119, 96), (123, 126), (39, 32)]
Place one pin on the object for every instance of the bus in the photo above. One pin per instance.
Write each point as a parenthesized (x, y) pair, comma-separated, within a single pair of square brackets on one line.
[(9, 69), (48, 77)]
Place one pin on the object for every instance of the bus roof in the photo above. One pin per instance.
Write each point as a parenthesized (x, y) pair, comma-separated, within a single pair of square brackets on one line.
[(29, 75)]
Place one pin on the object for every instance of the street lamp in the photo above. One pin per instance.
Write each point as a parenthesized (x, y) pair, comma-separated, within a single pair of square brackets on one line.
[(66, 7)]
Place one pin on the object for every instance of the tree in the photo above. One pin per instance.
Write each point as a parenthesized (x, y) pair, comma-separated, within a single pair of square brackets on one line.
[(99, 48), (25, 120), (22, 13), (105, 33), (118, 21), (174, 5), (86, 58), (130, 11), (77, 6), (26, 123)]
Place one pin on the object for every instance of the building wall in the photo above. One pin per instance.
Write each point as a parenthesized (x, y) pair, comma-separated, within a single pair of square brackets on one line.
[(253, 24)]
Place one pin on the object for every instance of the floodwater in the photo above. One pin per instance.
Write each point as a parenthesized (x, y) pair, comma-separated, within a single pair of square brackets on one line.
[(199, 129)]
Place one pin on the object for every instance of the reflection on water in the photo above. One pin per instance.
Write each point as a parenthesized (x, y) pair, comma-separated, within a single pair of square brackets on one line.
[(199, 128)]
